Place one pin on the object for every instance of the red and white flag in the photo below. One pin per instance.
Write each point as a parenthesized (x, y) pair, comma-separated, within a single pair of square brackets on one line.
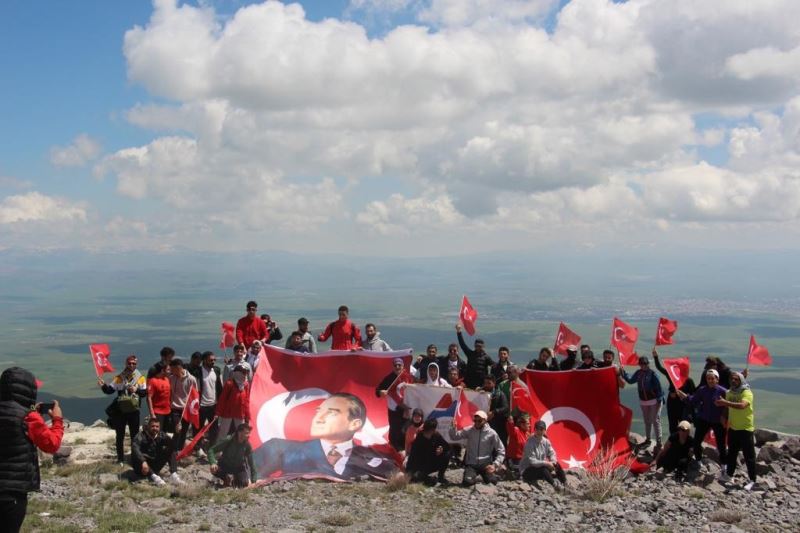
[(665, 330), (395, 392), (467, 316), (565, 337), (443, 403), (623, 338), (100, 354), (521, 398), (678, 370), (578, 425), (193, 443), (299, 402), (469, 403), (758, 355), (191, 411), (227, 338)]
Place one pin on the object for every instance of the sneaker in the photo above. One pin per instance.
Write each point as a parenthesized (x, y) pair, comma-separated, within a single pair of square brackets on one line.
[(725, 478), (176, 479), (750, 485), (157, 481)]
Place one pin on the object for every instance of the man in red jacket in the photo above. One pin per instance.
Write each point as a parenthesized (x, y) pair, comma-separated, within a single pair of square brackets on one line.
[(22, 431), (346, 335), (250, 327)]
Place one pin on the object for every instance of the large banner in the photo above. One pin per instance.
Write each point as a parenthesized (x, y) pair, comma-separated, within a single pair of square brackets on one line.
[(317, 415), (582, 411), (441, 403)]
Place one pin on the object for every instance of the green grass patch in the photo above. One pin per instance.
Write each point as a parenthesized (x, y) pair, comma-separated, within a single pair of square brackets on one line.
[(338, 520), (108, 521)]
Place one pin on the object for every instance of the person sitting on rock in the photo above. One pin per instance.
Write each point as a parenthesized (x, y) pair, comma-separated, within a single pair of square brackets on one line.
[(429, 453), (151, 450), (678, 451), (485, 451), (235, 467), (539, 459)]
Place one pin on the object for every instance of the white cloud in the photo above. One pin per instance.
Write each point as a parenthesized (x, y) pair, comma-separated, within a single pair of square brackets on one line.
[(82, 150), (37, 207), (489, 120)]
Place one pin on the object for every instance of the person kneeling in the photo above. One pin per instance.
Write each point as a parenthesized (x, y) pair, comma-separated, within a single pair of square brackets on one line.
[(235, 467), (677, 452), (539, 459), (429, 453), (151, 450), (485, 451)]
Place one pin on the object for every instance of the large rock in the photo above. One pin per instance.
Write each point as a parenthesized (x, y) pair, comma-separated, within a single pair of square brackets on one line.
[(764, 436), (792, 447), (770, 454)]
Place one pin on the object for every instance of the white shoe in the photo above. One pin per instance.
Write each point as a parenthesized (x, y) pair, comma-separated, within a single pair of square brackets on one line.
[(750, 485), (176, 479), (725, 478), (157, 481)]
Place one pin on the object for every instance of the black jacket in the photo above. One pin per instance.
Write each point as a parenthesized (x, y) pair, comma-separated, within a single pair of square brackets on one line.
[(144, 448), (19, 460), (423, 452), (478, 364)]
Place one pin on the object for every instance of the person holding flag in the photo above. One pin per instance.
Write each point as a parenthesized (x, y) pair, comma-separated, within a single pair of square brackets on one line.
[(234, 402), (708, 415), (130, 386), (181, 384), (346, 335), (651, 396), (478, 361), (396, 410), (519, 429), (541, 362), (676, 408)]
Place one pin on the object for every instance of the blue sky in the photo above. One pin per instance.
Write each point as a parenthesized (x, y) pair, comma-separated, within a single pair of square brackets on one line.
[(399, 123)]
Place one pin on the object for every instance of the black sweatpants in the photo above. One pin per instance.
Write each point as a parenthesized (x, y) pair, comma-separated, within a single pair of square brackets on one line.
[(13, 506), (471, 473), (121, 421), (701, 427), (742, 440), (532, 473), (397, 437), (176, 419), (437, 463), (157, 464), (672, 461)]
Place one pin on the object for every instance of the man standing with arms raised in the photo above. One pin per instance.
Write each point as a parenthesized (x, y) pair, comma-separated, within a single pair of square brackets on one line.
[(478, 361), (346, 335)]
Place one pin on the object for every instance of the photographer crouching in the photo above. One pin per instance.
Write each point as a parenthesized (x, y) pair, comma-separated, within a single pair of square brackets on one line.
[(22, 431)]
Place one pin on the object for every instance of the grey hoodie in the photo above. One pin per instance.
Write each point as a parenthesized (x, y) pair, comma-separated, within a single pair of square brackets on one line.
[(482, 444), (376, 344), (536, 452)]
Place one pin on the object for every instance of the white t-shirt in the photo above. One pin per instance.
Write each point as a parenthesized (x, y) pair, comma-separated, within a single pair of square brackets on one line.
[(209, 395)]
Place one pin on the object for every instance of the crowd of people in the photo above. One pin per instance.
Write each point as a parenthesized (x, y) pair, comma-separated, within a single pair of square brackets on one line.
[(501, 443)]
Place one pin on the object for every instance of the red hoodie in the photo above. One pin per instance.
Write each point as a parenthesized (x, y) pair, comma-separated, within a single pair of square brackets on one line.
[(250, 329), (516, 440), (47, 439), (234, 403), (346, 335)]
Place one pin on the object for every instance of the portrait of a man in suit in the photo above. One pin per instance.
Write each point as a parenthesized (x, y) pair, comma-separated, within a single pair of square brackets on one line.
[(331, 451)]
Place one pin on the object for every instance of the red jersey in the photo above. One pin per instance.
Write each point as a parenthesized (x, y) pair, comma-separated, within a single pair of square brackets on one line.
[(516, 440), (250, 329), (411, 434), (346, 335), (234, 403), (160, 393), (47, 439)]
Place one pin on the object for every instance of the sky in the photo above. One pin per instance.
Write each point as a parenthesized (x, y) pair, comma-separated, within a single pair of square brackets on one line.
[(399, 127)]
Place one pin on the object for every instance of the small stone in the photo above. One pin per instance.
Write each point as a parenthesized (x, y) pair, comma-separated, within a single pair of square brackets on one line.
[(98, 424)]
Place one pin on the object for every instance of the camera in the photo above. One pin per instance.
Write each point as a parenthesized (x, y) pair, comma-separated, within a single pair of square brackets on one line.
[(45, 407)]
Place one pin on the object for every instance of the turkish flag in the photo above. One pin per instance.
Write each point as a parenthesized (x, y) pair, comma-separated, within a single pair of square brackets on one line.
[(564, 338), (521, 398), (665, 330), (285, 394), (678, 370), (465, 410), (100, 354), (467, 316), (624, 337), (758, 355), (191, 411), (189, 447), (227, 338), (393, 391), (578, 425)]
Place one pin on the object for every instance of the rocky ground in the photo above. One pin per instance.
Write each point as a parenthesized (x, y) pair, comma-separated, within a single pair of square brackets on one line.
[(87, 491)]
